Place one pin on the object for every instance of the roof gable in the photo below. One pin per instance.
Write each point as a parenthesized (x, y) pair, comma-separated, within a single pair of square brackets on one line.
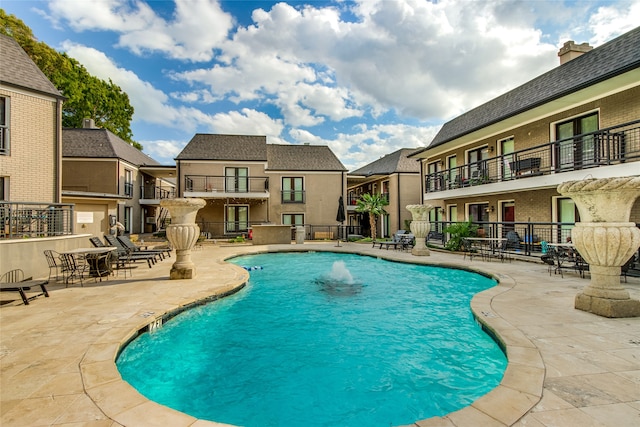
[(101, 143), (396, 162), (302, 158), (604, 62), (225, 147), (20, 71)]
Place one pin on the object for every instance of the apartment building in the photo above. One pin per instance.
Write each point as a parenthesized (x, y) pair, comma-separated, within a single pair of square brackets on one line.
[(111, 181), (502, 161), (246, 181), (394, 176)]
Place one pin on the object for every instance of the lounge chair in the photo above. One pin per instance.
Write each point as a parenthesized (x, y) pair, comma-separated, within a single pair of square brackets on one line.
[(133, 257), (127, 243), (395, 241), (14, 281)]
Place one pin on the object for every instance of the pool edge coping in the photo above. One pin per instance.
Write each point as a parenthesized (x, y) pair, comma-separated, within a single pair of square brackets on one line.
[(504, 405)]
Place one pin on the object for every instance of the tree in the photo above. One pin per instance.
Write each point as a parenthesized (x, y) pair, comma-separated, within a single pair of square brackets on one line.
[(87, 96), (374, 206)]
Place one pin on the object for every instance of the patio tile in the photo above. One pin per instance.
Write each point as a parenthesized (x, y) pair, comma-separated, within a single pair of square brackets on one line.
[(618, 415), (566, 418)]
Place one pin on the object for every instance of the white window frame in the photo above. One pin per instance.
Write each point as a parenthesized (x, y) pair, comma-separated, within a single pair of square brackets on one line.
[(5, 133)]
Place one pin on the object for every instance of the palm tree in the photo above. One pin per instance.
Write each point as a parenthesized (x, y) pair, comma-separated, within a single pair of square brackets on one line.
[(374, 206)]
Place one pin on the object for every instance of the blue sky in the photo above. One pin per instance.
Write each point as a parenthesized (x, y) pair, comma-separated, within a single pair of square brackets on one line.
[(364, 77)]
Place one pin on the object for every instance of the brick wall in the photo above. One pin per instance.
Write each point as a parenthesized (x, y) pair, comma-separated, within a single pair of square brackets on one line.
[(31, 166)]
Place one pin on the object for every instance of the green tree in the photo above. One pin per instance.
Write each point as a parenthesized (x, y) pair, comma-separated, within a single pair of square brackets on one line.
[(87, 96), (374, 206)]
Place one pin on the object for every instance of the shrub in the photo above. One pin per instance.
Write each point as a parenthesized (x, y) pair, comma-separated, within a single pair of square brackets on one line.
[(457, 233)]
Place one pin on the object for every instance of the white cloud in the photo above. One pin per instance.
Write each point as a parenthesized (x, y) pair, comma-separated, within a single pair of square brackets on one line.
[(163, 151), (246, 122), (197, 27), (613, 20)]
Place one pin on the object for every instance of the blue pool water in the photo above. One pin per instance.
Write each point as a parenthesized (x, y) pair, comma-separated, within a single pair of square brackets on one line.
[(323, 339)]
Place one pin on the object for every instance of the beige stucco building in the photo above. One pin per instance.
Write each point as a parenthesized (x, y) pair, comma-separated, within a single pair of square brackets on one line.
[(246, 181), (394, 176)]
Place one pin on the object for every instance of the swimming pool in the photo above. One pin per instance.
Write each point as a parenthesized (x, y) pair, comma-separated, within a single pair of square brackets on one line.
[(323, 339)]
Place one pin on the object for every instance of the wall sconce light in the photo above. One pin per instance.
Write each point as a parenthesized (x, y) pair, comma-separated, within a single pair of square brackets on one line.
[(491, 148), (441, 162), (489, 209)]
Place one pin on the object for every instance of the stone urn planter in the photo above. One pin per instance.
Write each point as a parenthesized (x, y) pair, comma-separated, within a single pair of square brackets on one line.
[(420, 227), (606, 240), (183, 233)]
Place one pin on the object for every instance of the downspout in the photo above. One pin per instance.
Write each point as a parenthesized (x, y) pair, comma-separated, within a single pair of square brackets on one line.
[(58, 154), (399, 207), (421, 183)]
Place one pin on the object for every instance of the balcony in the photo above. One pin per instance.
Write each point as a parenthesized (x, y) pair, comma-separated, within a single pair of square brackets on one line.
[(21, 220), (152, 194), (220, 187), (611, 146), (293, 196)]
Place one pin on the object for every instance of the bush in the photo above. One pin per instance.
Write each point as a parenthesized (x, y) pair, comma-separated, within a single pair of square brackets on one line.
[(457, 233)]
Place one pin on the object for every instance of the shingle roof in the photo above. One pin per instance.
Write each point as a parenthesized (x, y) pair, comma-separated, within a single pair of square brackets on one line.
[(396, 162), (302, 158), (101, 143), (19, 70), (225, 147), (604, 62)]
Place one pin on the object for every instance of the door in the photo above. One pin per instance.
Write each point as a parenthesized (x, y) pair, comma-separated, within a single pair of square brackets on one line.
[(237, 219), (576, 153), (236, 180), (507, 146)]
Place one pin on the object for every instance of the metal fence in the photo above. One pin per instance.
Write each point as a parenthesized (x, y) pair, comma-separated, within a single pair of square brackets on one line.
[(20, 220), (230, 230)]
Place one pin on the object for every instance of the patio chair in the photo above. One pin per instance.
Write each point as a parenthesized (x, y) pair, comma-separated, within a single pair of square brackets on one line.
[(549, 259), (95, 241), (11, 282), (624, 270), (74, 266), (127, 243), (123, 263), (133, 257), (55, 265), (395, 241)]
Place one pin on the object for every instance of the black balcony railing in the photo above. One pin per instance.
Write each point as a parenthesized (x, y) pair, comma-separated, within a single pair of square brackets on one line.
[(20, 220), (604, 147), (158, 193), (226, 184)]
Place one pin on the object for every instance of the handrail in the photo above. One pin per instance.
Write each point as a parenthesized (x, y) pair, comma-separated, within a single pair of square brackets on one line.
[(227, 184), (20, 220), (613, 145)]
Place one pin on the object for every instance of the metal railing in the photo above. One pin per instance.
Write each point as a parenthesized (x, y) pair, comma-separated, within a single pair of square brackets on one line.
[(156, 192), (291, 196), (229, 230), (609, 146), (20, 220), (226, 184)]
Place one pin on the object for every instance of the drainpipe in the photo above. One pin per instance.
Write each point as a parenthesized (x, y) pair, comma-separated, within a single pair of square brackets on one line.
[(399, 227), (58, 153)]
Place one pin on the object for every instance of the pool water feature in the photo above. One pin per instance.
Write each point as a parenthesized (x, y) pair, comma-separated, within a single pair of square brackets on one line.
[(323, 339)]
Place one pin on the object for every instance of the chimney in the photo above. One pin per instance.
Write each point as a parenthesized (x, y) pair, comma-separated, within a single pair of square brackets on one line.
[(88, 124), (571, 50)]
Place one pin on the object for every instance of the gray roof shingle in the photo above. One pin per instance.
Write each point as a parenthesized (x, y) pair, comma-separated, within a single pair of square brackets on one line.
[(204, 146), (302, 158), (18, 70), (101, 143), (616, 57), (396, 162)]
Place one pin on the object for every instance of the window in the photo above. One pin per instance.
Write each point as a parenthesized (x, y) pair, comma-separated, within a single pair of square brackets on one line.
[(4, 192), (433, 177), (453, 213), (507, 147), (237, 219), (292, 190), (385, 190), (127, 219), (477, 162), (236, 180), (575, 153), (128, 183), (453, 177), (292, 219), (568, 214), (4, 126)]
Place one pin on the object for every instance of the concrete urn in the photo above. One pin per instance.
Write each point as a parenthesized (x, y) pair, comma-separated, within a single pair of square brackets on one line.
[(183, 233), (606, 239), (420, 227)]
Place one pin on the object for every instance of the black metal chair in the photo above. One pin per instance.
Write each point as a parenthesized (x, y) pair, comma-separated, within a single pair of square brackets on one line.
[(55, 265)]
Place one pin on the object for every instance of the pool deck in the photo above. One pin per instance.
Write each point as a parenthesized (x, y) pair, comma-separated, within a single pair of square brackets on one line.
[(566, 367)]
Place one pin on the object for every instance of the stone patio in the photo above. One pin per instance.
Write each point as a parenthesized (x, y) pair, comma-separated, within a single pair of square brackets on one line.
[(566, 367)]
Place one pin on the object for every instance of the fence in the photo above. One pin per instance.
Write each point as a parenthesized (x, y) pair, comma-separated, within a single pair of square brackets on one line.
[(23, 219)]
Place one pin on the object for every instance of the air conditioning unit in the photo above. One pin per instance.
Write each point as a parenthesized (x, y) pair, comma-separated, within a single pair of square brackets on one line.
[(151, 220)]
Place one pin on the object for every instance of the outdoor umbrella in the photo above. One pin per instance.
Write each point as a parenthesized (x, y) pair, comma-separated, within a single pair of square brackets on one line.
[(340, 216)]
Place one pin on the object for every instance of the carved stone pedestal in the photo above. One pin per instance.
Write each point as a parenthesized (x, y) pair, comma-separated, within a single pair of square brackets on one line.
[(420, 227), (183, 233), (606, 240)]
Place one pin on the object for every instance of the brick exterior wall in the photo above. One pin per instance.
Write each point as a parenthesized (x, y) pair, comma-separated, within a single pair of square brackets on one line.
[(31, 167)]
